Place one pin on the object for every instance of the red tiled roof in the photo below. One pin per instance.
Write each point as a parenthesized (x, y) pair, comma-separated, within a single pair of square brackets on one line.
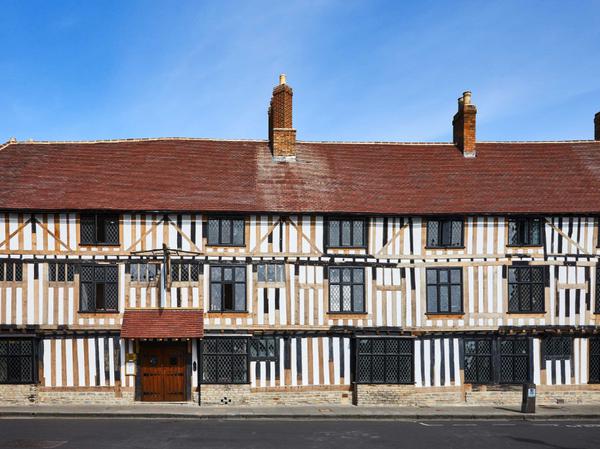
[(162, 323), (369, 178)]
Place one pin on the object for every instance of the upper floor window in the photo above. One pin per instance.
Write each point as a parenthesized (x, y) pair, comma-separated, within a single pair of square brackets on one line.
[(16, 361), (445, 233), (346, 233), (526, 289), (227, 288), (99, 290), (347, 290), (99, 229), (185, 272), (143, 272), (11, 271), (61, 272), (597, 289), (226, 231), (523, 231), (270, 273), (444, 290)]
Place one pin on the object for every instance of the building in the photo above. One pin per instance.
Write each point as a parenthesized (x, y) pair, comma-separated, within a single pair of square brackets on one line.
[(280, 271)]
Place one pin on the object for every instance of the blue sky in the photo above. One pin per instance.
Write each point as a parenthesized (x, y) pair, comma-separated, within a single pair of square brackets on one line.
[(361, 70)]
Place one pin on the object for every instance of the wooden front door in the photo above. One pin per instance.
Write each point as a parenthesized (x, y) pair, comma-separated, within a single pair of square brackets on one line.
[(162, 368)]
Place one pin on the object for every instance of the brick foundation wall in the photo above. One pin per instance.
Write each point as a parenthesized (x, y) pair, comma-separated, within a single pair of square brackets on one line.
[(240, 395), (18, 394), (84, 396)]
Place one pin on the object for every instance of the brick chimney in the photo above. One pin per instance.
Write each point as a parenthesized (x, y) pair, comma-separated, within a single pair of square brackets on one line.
[(597, 126), (463, 125), (282, 136)]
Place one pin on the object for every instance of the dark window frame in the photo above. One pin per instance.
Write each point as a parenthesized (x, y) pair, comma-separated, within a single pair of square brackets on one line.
[(597, 298), (524, 231), (185, 271), (136, 275), (95, 282), (444, 238), (262, 273), (8, 361), (61, 272), (220, 359), (449, 284), (520, 283), (557, 347), (222, 282), (340, 220), (477, 355), (219, 241), (352, 283), (364, 354), (11, 271), (594, 360), (513, 355), (99, 224), (259, 349)]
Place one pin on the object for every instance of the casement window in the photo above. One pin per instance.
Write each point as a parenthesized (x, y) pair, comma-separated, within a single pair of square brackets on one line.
[(445, 233), (61, 272), (270, 273), (185, 272), (478, 361), (347, 289), (11, 271), (384, 360), (595, 360), (524, 231), (143, 272), (99, 290), (597, 289), (16, 361), (224, 360), (514, 360), (444, 290), (99, 229), (526, 289), (263, 349), (557, 348), (226, 231), (227, 288), (346, 233)]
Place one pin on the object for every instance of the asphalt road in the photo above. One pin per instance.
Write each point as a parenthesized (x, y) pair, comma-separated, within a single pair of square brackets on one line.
[(151, 434)]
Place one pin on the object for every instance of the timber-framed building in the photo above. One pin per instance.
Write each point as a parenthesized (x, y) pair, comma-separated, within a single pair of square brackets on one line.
[(285, 272)]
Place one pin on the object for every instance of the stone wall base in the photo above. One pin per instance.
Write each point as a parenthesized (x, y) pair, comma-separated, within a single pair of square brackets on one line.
[(240, 395), (18, 394)]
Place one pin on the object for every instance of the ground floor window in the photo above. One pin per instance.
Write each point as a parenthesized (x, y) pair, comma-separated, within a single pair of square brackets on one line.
[(384, 361), (263, 349), (224, 360), (16, 361), (595, 360), (514, 360), (478, 361)]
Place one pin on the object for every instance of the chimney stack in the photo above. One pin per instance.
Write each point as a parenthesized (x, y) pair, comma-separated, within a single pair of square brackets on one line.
[(463, 125), (597, 126), (282, 136)]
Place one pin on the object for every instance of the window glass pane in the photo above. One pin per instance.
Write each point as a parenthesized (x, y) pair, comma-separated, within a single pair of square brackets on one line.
[(87, 297), (357, 233), (524, 297), (271, 273), (446, 232), (537, 274), (443, 276), (260, 271), (225, 232), (457, 229), (359, 305), (238, 232), (334, 275), (431, 276), (87, 229), (513, 232), (346, 233), (280, 273), (334, 233), (535, 232), (152, 271), (334, 298), (359, 275), (227, 274), (240, 296), (240, 274), (346, 275), (134, 271), (456, 300), (111, 226), (52, 272), (512, 274), (432, 233), (455, 275), (213, 232), (215, 273), (185, 272), (444, 299), (524, 274), (432, 298), (215, 296), (346, 298)]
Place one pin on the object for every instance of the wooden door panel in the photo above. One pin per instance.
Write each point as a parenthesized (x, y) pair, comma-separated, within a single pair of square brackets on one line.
[(163, 372)]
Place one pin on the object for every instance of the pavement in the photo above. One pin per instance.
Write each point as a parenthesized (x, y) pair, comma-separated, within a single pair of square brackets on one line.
[(324, 412)]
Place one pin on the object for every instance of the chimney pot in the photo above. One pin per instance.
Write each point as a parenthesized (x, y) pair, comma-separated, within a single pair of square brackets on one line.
[(467, 97), (463, 125), (282, 79)]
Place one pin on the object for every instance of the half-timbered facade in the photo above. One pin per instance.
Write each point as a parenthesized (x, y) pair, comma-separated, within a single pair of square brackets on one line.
[(282, 271)]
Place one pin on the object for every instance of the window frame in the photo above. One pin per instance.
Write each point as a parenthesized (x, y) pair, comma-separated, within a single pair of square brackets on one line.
[(33, 356), (449, 285), (104, 217), (440, 232), (279, 271), (221, 219), (364, 222), (222, 282), (547, 350), (594, 353), (254, 344), (94, 283), (519, 283), (597, 296), (68, 272), (350, 283), (386, 355), (137, 279), (16, 270), (521, 241), (514, 355), (192, 270), (217, 355), (478, 356)]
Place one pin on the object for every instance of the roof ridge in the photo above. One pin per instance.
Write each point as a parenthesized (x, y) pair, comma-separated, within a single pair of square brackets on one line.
[(133, 139)]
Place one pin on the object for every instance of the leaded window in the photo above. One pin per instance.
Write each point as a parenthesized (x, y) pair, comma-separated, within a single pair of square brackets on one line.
[(445, 233), (99, 290), (478, 361), (384, 360), (16, 361), (143, 272), (263, 349), (61, 272), (526, 289), (99, 229), (228, 288), (514, 360), (11, 271), (270, 273), (346, 289), (523, 231), (595, 360), (557, 348), (444, 290), (346, 233), (597, 289), (224, 360), (185, 271), (226, 231)]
